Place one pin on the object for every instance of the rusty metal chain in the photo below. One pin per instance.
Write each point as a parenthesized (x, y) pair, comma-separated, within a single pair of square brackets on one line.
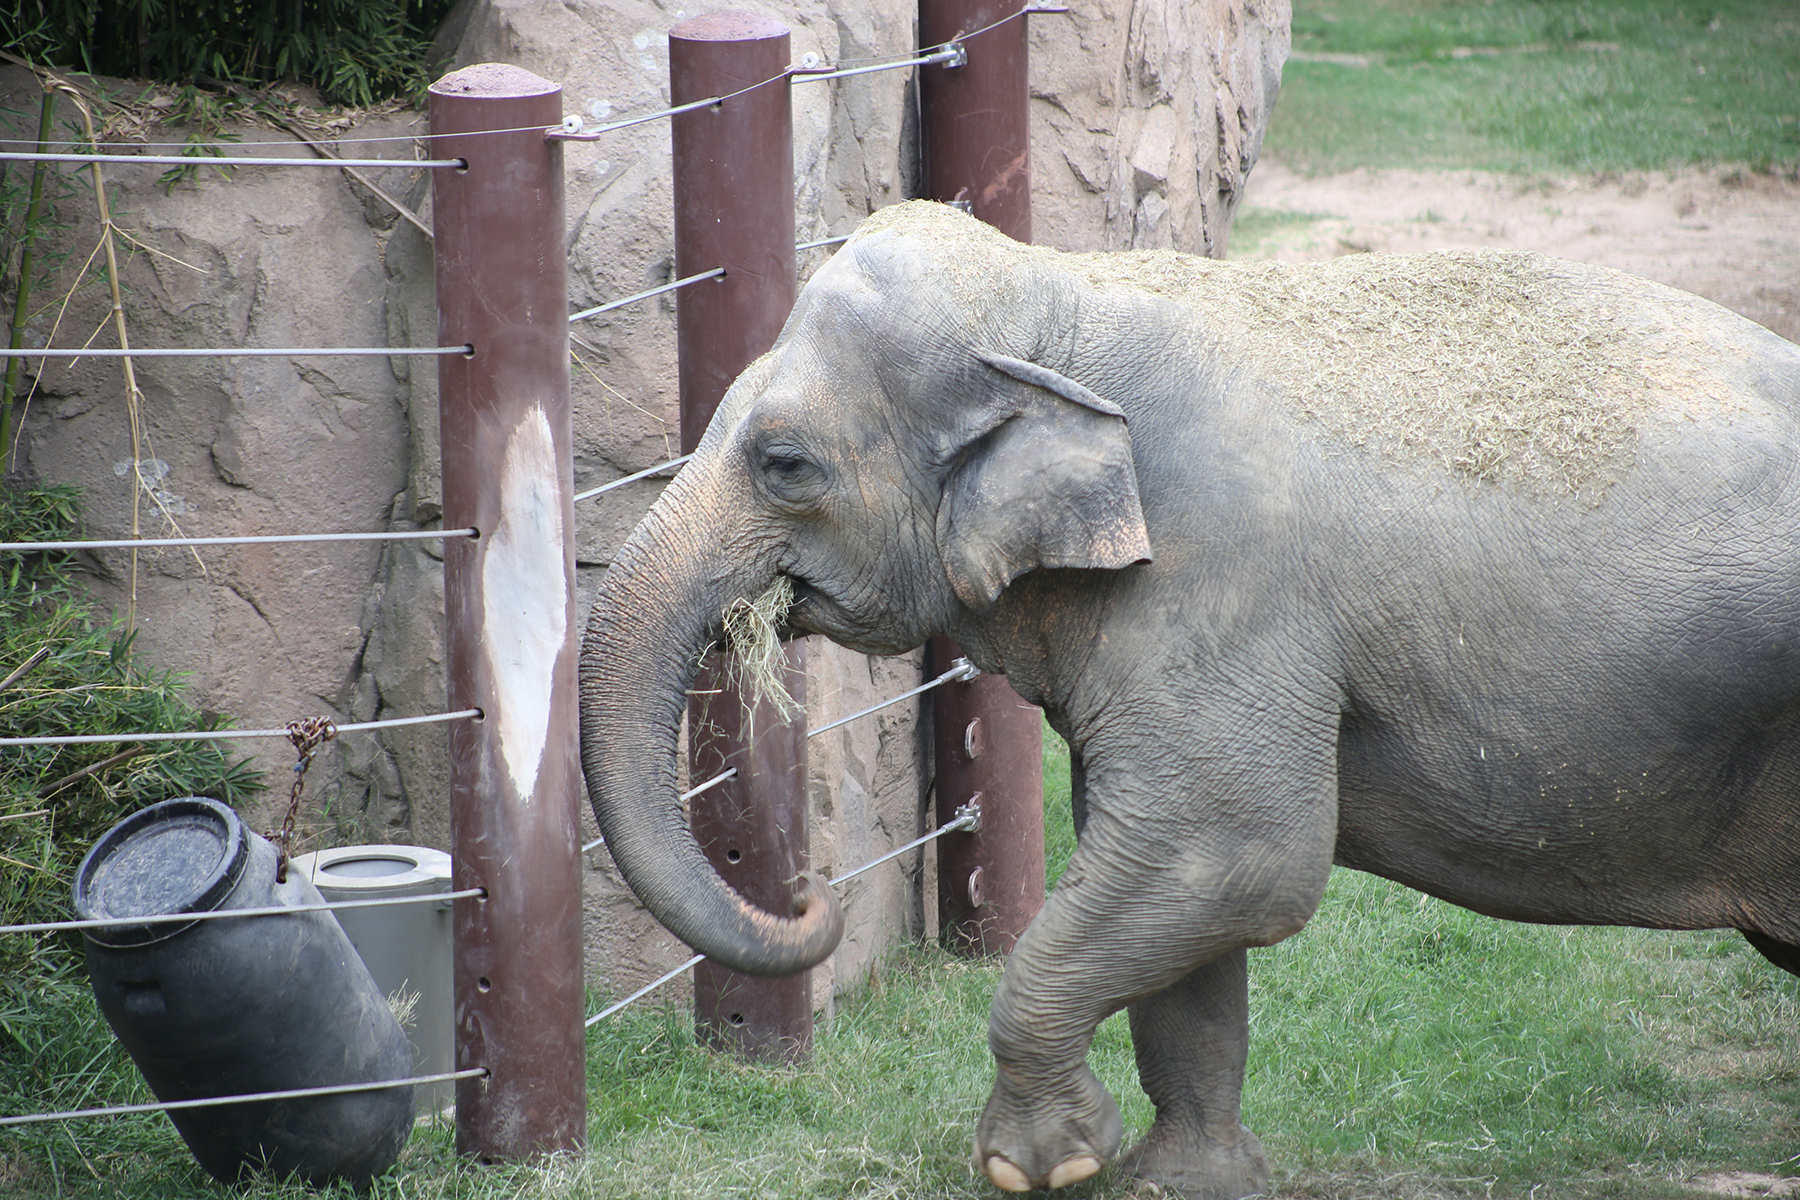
[(307, 735)]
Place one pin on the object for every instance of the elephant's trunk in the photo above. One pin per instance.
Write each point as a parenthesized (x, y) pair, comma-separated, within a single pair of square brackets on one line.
[(654, 617)]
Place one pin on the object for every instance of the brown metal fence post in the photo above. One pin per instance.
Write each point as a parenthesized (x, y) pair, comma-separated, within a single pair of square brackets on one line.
[(734, 208), (974, 120), (975, 135), (515, 774)]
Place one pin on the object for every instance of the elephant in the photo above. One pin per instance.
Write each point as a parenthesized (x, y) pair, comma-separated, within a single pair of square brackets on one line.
[(1474, 569)]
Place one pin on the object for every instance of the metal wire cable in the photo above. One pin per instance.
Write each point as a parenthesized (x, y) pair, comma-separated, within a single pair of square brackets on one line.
[(714, 782), (821, 65), (118, 1110), (572, 130), (715, 273), (221, 735), (397, 137), (967, 817), (619, 483), (952, 54), (239, 352), (219, 914), (261, 539), (1027, 11), (610, 1009), (217, 160), (961, 672)]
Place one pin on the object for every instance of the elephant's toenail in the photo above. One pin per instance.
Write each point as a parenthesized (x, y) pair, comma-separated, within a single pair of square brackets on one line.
[(1006, 1177), (1073, 1170)]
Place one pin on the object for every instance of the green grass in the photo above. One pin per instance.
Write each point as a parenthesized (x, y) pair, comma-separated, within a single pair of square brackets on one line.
[(1582, 86), (1255, 230), (1400, 1047)]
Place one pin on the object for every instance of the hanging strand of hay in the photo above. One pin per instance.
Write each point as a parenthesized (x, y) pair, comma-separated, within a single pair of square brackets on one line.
[(753, 633)]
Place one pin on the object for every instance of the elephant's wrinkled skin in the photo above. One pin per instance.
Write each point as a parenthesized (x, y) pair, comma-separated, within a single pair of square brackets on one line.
[(1278, 631)]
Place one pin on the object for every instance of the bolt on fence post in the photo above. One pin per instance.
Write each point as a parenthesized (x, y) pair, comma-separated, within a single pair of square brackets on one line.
[(734, 208), (510, 632), (975, 139)]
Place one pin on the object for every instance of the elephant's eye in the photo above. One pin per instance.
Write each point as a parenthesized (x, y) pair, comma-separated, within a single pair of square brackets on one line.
[(789, 472)]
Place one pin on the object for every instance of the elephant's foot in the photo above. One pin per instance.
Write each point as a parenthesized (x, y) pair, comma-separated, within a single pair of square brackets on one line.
[(1186, 1163), (1035, 1137)]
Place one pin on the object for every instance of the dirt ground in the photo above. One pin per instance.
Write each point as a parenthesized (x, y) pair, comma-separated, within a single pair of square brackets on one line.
[(1729, 235)]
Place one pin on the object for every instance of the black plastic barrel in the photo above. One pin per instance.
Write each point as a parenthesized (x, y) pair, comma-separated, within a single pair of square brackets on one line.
[(241, 1005)]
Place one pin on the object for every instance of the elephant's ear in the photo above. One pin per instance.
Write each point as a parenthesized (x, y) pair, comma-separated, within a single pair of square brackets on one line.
[(1044, 479)]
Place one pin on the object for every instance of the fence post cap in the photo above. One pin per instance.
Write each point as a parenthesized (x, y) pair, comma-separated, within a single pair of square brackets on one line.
[(493, 79), (728, 26)]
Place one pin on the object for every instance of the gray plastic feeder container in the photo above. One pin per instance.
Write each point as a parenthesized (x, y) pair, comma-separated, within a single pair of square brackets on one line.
[(405, 946)]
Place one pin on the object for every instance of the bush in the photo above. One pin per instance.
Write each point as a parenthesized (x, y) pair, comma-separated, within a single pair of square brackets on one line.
[(56, 800), (354, 51)]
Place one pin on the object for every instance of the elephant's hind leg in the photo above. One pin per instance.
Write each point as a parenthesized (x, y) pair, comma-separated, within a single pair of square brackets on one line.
[(1191, 1041), (1782, 954)]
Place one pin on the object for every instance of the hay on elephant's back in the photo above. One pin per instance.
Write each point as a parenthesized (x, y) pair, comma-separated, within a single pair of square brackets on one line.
[(1495, 363), (1482, 360)]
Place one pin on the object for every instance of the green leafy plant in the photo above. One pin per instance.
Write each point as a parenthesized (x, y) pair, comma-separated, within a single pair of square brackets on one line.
[(354, 51), (55, 800), (28, 214), (79, 677)]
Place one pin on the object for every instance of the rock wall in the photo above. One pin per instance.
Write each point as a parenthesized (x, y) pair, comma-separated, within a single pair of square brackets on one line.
[(237, 446), (1146, 117)]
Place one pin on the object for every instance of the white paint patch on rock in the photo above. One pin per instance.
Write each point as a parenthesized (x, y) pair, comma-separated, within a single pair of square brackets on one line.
[(646, 41), (151, 472), (525, 615)]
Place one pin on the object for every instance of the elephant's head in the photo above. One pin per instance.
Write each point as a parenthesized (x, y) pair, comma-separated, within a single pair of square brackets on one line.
[(902, 454)]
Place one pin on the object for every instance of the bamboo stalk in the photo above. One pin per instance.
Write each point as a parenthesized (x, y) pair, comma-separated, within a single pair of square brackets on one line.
[(19, 673), (91, 769), (132, 395), (27, 263)]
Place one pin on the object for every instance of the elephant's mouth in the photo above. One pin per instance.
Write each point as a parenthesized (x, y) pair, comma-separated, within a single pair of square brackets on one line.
[(802, 614), (814, 611)]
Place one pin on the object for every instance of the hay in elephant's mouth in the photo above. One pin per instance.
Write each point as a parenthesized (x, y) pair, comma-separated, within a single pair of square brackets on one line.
[(753, 634)]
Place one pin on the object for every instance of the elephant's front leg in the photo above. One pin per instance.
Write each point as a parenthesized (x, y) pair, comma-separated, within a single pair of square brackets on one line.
[(1159, 901), (1191, 1041)]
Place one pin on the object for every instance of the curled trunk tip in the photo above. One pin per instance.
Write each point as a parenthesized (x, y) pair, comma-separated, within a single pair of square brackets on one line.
[(802, 941)]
